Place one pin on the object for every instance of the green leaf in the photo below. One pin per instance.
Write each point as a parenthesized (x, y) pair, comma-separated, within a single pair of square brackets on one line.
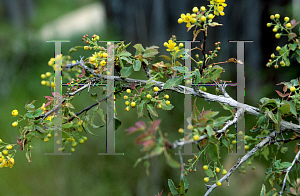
[(213, 151), (179, 52), (263, 122), (172, 187), (171, 162), (166, 57), (209, 130), (293, 46), (73, 50), (221, 120), (139, 47), (37, 112), (137, 65), (216, 73), (140, 109), (150, 53), (294, 82), (126, 54), (293, 108), (100, 112), (225, 142), (209, 173), (157, 150), (67, 125), (164, 106), (128, 60), (173, 82), (284, 109), (227, 107), (117, 123), (126, 71), (152, 111), (197, 76), (263, 190), (209, 114), (266, 152), (94, 96), (29, 115), (40, 128), (186, 183), (180, 69), (286, 164), (271, 115)]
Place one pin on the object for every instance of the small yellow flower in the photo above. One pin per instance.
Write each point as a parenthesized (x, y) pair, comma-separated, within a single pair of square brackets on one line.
[(103, 63), (156, 89), (133, 104), (203, 18), (292, 89), (277, 16), (5, 152), (43, 82), (127, 102), (104, 55), (286, 19), (50, 63), (43, 76), (210, 16), (187, 18), (180, 20), (167, 96), (86, 47), (48, 74), (168, 102), (195, 9), (193, 20), (188, 24), (52, 84), (92, 60), (181, 45), (15, 113), (196, 137), (127, 108), (128, 91), (14, 124), (9, 147), (288, 25)]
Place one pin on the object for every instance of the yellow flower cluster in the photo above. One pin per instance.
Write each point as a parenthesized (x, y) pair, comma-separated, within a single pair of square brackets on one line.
[(188, 19), (97, 56), (218, 6), (171, 46), (7, 161)]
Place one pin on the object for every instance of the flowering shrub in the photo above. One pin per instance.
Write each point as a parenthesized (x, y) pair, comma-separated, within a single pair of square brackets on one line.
[(205, 129)]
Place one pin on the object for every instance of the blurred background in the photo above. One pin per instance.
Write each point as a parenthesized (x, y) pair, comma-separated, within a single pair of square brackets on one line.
[(26, 25)]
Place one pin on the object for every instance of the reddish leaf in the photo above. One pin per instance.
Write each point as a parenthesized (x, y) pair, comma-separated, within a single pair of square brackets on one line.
[(49, 98), (56, 94), (48, 103), (132, 85), (292, 35), (279, 93), (82, 73), (154, 126), (284, 88), (148, 143), (131, 130), (141, 125), (294, 23), (287, 94), (141, 89), (142, 138)]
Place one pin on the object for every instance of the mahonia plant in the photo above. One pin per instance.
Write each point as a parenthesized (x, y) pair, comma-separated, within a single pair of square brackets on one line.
[(208, 131)]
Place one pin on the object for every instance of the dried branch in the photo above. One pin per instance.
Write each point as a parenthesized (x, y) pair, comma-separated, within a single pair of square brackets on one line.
[(242, 160), (288, 170)]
